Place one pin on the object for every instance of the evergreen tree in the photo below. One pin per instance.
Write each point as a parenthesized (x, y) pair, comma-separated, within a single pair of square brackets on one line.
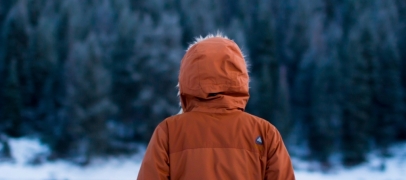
[(323, 122), (15, 40), (145, 79), (401, 43), (296, 43), (47, 92), (358, 96), (88, 104), (265, 89), (388, 92)]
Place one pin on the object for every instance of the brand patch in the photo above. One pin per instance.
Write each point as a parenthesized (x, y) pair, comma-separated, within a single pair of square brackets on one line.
[(258, 140)]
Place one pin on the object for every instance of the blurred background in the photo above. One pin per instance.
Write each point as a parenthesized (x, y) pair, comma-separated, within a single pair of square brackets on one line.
[(93, 78)]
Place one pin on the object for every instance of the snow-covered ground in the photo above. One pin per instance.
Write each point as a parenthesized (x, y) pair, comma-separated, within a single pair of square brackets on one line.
[(127, 168), (377, 168), (121, 168)]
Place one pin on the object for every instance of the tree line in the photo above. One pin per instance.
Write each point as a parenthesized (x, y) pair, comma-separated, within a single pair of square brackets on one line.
[(93, 78)]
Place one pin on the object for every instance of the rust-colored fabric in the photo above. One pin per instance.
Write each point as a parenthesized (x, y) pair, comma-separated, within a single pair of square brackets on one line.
[(214, 138)]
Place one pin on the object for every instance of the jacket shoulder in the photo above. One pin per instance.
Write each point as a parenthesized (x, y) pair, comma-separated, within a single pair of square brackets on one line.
[(261, 121), (166, 121)]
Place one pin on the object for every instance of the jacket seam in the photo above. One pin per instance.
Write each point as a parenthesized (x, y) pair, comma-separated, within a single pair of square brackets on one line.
[(216, 148)]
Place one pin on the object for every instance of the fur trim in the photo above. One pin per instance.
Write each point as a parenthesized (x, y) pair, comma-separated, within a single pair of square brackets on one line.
[(180, 105), (220, 35), (200, 38)]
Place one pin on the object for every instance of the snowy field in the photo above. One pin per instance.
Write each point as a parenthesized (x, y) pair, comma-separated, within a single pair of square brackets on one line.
[(127, 168)]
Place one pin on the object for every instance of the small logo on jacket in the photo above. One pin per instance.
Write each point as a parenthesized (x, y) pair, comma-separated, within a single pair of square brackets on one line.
[(258, 140)]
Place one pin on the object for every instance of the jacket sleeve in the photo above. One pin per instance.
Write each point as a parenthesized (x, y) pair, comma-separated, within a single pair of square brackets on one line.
[(155, 164), (278, 165)]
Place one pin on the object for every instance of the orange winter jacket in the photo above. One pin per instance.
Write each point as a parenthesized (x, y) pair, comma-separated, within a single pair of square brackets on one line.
[(214, 139)]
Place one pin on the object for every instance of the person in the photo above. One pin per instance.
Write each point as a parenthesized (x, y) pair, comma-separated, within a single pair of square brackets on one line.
[(213, 138)]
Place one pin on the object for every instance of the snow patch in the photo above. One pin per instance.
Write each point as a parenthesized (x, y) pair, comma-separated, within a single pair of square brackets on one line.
[(377, 168), (24, 150)]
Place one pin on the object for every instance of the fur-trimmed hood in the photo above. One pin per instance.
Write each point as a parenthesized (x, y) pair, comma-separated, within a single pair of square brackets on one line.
[(213, 76)]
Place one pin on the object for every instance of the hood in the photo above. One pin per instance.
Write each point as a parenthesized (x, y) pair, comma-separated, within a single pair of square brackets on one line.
[(213, 76)]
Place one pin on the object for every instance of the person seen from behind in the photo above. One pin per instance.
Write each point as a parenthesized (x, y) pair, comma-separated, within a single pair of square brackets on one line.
[(213, 138)]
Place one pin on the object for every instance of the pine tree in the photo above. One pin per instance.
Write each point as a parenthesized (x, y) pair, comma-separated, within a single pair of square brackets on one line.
[(265, 81), (15, 40), (47, 84), (323, 123), (149, 62), (401, 43), (358, 96), (88, 104), (388, 93), (300, 71)]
